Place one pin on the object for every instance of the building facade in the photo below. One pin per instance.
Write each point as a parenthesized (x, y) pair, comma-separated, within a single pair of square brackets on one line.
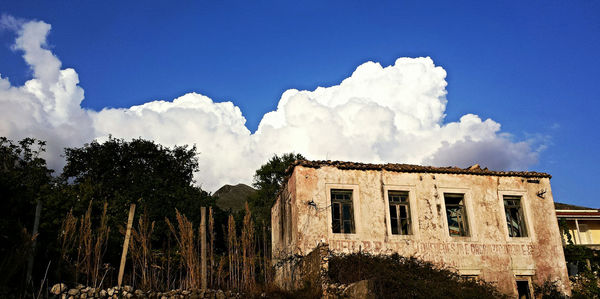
[(581, 225), (497, 226)]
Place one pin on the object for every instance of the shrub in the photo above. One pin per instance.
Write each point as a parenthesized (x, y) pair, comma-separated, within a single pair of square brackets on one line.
[(395, 276)]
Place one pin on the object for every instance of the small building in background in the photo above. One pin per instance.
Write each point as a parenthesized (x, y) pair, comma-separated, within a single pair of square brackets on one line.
[(579, 225), (492, 225)]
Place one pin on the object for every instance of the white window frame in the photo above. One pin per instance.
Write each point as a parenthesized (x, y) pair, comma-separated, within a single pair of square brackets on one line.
[(414, 211), (526, 216)]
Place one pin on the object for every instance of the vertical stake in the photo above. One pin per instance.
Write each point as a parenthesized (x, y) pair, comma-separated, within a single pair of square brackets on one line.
[(203, 246), (126, 243), (36, 225), (578, 232)]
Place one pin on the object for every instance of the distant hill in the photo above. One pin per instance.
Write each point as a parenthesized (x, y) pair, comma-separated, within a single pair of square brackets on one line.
[(233, 197)]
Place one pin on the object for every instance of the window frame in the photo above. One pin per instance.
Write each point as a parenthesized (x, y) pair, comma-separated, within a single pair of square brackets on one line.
[(468, 208), (526, 216), (522, 223), (529, 280), (355, 209), (462, 206), (412, 206), (342, 205)]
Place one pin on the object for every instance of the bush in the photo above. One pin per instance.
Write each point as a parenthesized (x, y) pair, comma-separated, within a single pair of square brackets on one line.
[(395, 276), (549, 290)]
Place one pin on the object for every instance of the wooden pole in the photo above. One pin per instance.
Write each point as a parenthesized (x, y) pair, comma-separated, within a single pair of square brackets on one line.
[(126, 243), (578, 232), (36, 225), (203, 247)]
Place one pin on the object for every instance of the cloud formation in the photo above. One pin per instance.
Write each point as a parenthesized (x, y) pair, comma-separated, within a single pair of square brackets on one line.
[(378, 114)]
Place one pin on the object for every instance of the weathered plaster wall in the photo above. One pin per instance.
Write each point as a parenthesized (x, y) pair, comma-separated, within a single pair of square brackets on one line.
[(488, 252), (283, 215)]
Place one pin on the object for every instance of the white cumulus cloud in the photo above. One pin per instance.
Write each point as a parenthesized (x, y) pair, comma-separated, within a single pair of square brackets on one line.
[(378, 114)]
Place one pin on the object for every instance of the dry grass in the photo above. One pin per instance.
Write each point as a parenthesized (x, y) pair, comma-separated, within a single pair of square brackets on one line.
[(248, 254), (145, 267), (90, 245), (188, 249), (233, 254), (211, 247), (175, 264)]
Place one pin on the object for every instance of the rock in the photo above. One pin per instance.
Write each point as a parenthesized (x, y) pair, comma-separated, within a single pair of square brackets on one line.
[(103, 293), (220, 295), (83, 296), (359, 290), (73, 292), (185, 292), (138, 293), (58, 288), (128, 288)]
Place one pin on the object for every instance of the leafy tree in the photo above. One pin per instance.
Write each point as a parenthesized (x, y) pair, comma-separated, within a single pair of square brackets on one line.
[(268, 179), (157, 178), (24, 180)]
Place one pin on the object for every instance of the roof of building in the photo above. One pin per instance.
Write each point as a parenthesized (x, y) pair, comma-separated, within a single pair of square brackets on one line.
[(564, 206), (473, 170)]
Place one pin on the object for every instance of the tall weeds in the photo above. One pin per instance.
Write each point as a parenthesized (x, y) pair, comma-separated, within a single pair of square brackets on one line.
[(211, 247), (188, 250), (233, 254), (90, 245), (248, 253), (176, 264), (144, 263)]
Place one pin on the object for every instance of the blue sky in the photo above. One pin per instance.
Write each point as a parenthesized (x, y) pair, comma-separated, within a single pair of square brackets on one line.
[(531, 67)]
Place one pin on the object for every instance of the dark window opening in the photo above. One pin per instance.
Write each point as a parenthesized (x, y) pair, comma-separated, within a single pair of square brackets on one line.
[(514, 216), (523, 289), (456, 214), (399, 212), (342, 212)]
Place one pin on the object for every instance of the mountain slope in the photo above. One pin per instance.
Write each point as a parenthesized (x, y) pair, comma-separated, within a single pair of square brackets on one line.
[(233, 197)]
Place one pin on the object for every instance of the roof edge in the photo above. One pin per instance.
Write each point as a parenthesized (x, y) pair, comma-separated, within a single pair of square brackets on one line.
[(473, 170)]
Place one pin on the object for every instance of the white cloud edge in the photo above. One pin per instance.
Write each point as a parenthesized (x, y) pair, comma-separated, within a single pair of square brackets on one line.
[(394, 113)]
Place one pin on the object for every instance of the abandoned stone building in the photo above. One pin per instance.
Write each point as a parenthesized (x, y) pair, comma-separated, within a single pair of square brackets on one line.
[(494, 225)]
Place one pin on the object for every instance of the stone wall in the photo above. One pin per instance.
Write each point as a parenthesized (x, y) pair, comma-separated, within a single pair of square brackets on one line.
[(309, 271), (62, 291)]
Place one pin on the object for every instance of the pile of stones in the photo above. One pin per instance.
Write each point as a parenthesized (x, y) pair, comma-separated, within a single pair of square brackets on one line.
[(60, 290)]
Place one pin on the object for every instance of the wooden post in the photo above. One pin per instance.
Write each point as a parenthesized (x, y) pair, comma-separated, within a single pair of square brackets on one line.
[(203, 247), (36, 225), (578, 232), (126, 243)]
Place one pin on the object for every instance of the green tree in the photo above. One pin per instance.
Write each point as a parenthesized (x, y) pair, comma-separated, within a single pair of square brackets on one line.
[(157, 178), (268, 179), (24, 180)]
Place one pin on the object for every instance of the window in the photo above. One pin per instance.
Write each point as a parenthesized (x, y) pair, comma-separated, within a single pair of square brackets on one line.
[(523, 289), (342, 212), (399, 212), (456, 213), (514, 216)]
